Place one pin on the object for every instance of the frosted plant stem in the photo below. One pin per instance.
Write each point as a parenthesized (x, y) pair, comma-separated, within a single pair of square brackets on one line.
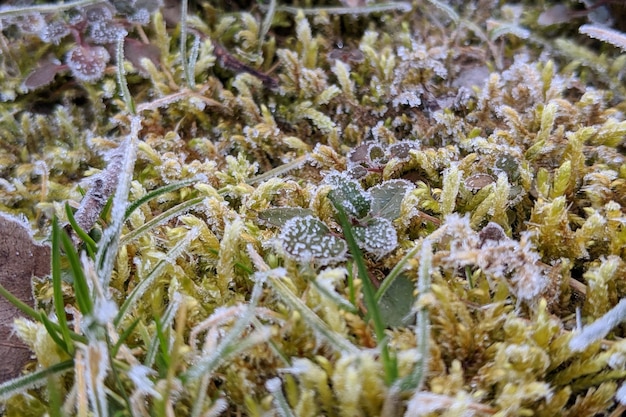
[(32, 380), (161, 218), (267, 21), (599, 328), (121, 77), (415, 380), (274, 386), (279, 170), (275, 278), (227, 347), (183, 46), (8, 11), (375, 8)]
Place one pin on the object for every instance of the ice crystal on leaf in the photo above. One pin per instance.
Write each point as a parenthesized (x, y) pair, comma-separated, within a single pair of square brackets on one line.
[(54, 31), (87, 63), (377, 236), (103, 32), (308, 239), (350, 195), (387, 198)]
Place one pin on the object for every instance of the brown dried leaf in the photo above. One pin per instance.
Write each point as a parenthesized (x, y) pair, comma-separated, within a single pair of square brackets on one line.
[(21, 258)]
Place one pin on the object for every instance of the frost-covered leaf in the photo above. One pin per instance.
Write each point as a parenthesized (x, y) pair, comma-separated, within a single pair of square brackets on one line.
[(387, 198), (87, 63), (278, 216), (105, 32), (307, 239), (402, 149), (54, 31), (98, 13), (349, 194), (371, 155), (378, 237)]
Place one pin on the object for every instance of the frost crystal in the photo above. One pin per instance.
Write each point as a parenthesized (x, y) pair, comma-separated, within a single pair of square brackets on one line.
[(307, 239), (498, 256), (349, 194), (54, 32), (140, 375), (105, 32), (379, 237), (98, 13), (87, 63)]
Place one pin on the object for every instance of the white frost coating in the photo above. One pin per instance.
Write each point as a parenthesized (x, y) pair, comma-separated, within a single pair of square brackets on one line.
[(54, 31), (409, 98), (140, 374), (96, 364), (621, 394), (106, 32), (87, 63), (354, 200), (423, 403), (300, 366), (273, 384), (379, 237), (600, 328), (307, 239), (617, 360), (499, 257)]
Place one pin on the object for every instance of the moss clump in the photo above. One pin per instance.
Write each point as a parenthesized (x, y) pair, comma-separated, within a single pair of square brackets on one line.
[(477, 158)]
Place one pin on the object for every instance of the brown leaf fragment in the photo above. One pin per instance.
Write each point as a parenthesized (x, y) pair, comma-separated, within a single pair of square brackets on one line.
[(43, 75), (21, 258)]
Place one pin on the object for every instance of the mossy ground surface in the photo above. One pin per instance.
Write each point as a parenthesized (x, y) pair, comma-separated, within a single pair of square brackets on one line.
[(509, 141)]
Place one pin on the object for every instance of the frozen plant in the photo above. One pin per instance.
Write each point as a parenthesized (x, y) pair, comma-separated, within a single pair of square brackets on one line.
[(306, 238), (94, 29)]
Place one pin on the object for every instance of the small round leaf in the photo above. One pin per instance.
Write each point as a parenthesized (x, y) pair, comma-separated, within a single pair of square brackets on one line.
[(378, 237), (308, 239)]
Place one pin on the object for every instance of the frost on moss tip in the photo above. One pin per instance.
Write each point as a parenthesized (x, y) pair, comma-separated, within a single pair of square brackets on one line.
[(307, 239)]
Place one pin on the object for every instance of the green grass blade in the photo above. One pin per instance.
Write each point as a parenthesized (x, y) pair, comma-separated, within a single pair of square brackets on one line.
[(389, 362), (81, 289), (35, 379), (161, 218), (125, 335), (275, 278), (395, 272), (121, 76), (145, 283), (90, 244), (155, 193), (57, 289), (53, 331)]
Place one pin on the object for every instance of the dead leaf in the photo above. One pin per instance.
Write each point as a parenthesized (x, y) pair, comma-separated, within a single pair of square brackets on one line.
[(21, 258)]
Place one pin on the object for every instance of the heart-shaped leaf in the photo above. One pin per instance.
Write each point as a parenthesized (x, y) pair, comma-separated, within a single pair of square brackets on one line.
[(378, 237), (349, 194), (278, 216), (387, 198), (308, 239)]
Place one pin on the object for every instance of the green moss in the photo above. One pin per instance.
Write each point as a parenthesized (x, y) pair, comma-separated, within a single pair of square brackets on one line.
[(489, 147)]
